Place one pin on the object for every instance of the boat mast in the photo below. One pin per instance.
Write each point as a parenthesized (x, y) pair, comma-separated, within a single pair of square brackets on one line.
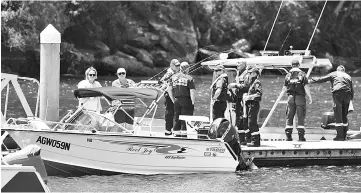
[(314, 30), (274, 22)]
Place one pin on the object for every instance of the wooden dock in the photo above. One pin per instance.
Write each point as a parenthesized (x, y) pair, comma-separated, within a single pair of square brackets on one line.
[(296, 153)]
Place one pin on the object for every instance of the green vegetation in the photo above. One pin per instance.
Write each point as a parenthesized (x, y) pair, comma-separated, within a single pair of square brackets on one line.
[(144, 36)]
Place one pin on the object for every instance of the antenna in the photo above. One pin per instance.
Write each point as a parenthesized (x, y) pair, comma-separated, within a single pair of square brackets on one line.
[(274, 22), (316, 26)]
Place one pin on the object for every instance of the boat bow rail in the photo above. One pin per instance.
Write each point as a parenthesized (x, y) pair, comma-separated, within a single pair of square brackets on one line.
[(6, 79)]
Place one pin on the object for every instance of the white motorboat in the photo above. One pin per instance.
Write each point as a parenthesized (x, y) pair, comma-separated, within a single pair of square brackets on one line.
[(85, 142)]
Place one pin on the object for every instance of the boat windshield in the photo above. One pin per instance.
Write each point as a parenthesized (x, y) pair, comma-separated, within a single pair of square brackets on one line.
[(95, 121)]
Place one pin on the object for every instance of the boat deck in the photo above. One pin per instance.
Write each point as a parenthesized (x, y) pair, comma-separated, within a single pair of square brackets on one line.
[(296, 153)]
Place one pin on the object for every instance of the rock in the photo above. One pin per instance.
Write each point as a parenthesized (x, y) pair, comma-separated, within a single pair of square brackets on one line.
[(141, 54), (206, 55), (160, 58), (141, 42), (124, 55), (133, 66), (177, 36), (100, 46), (242, 45), (145, 57)]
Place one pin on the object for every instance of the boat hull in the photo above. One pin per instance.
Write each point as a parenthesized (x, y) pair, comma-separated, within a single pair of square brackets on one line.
[(117, 153)]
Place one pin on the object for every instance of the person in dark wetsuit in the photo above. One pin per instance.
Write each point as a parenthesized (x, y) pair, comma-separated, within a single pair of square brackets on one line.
[(342, 94)]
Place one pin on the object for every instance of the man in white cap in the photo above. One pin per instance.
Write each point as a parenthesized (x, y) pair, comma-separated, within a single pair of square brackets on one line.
[(122, 81), (128, 105), (182, 93)]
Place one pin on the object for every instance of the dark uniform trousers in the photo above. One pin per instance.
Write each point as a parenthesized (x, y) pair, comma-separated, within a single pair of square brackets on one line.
[(296, 105), (182, 106), (169, 112), (219, 107), (252, 108), (341, 101)]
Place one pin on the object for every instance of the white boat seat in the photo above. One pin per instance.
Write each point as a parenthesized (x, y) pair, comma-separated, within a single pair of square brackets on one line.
[(283, 102), (38, 124), (193, 122), (203, 119)]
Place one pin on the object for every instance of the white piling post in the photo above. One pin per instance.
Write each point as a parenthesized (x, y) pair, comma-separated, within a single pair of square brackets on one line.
[(50, 40)]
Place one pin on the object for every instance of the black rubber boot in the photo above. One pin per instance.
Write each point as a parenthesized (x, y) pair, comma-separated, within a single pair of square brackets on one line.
[(301, 136), (255, 142), (248, 138), (242, 137), (340, 134), (345, 128), (288, 132)]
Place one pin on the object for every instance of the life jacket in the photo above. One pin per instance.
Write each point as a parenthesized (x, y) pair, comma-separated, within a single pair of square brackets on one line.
[(246, 80), (223, 96), (295, 82)]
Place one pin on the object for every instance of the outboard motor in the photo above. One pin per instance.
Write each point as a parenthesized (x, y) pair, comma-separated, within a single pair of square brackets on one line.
[(328, 120), (222, 128)]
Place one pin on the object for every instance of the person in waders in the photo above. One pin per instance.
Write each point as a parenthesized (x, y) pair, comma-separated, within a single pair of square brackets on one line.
[(342, 94), (296, 86), (251, 102), (238, 88)]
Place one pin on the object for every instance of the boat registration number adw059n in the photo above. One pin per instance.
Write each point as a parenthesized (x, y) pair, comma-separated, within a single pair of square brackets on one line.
[(53, 143)]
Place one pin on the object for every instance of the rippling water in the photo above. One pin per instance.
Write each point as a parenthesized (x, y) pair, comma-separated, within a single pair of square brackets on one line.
[(275, 179)]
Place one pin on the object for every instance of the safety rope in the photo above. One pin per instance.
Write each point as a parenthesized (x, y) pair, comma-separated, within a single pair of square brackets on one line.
[(274, 22), (314, 30)]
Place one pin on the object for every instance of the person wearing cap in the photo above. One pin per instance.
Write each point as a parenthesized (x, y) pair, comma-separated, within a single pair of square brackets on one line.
[(128, 105), (169, 106), (342, 94), (243, 71), (90, 103), (251, 101), (182, 93), (296, 87), (219, 92), (122, 81)]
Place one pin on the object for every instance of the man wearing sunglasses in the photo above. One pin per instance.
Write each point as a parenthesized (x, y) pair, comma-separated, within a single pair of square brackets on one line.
[(90, 103), (128, 105), (169, 106), (122, 81)]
